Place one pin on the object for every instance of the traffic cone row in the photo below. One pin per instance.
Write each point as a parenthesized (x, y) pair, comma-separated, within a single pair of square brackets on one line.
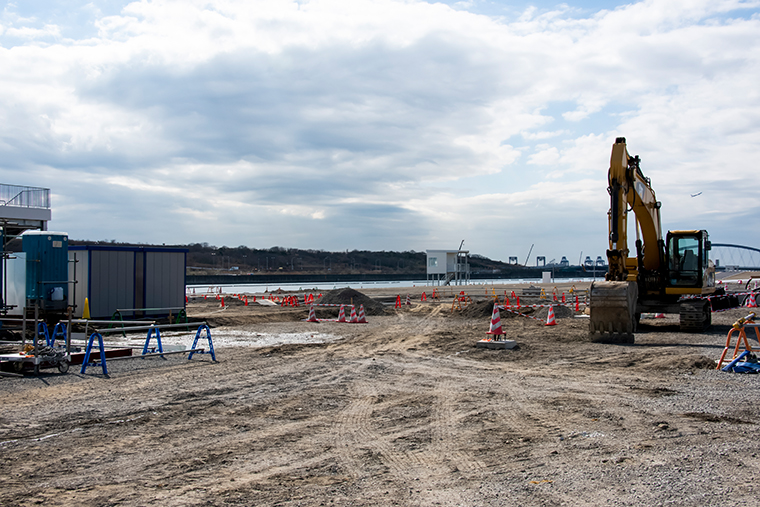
[(289, 301)]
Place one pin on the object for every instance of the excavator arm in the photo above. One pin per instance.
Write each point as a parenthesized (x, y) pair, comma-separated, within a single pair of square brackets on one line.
[(629, 191), (613, 302)]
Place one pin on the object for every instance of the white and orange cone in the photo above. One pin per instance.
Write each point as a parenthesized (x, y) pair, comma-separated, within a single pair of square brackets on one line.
[(353, 320), (312, 315), (550, 320), (342, 314), (362, 317), (495, 322), (751, 303), (408, 300)]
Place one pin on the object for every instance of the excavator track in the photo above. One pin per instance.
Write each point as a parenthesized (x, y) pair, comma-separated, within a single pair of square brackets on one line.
[(695, 315), (612, 306)]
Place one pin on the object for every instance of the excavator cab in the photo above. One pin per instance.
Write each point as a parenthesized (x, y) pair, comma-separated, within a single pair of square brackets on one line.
[(688, 262)]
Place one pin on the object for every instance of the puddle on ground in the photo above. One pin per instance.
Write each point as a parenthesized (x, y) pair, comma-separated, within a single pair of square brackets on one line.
[(220, 338)]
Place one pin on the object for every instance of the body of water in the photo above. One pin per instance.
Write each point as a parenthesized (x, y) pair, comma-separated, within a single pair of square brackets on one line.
[(256, 288)]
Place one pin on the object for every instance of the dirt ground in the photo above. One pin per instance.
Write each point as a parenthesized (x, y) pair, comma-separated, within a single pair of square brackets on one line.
[(404, 410)]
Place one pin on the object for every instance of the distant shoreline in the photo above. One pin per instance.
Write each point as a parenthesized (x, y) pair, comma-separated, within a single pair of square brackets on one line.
[(514, 274)]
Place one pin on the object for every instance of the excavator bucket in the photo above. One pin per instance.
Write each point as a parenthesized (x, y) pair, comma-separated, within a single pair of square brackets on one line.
[(613, 311)]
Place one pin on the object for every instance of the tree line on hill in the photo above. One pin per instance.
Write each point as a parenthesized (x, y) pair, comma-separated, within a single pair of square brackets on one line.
[(203, 258)]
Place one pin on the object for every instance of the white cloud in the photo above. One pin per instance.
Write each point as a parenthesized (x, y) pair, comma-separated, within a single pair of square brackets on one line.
[(414, 119)]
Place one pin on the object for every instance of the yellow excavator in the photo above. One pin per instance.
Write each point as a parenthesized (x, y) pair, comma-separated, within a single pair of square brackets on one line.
[(674, 276)]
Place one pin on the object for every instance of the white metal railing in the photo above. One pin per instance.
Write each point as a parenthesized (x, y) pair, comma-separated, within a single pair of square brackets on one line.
[(24, 197)]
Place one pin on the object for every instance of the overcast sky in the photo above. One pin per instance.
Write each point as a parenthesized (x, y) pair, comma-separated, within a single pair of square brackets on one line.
[(380, 124)]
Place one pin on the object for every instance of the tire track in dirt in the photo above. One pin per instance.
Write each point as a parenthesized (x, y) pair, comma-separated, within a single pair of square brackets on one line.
[(353, 431), (445, 425)]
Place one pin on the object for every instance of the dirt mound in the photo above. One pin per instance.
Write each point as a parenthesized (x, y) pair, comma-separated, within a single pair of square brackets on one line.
[(484, 308), (351, 296), (684, 362), (560, 312)]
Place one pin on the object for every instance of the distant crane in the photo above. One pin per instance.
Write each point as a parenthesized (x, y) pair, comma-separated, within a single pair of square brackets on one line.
[(529, 252)]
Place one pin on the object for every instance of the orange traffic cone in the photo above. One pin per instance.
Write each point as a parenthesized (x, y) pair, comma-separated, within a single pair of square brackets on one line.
[(408, 300), (550, 320), (222, 302), (659, 316), (342, 314), (495, 322), (751, 303), (362, 317), (354, 319), (312, 315)]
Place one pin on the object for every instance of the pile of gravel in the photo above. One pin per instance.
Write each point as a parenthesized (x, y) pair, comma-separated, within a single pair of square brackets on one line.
[(351, 296)]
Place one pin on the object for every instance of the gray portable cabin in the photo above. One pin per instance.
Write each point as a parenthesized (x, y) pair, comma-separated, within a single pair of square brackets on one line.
[(127, 278)]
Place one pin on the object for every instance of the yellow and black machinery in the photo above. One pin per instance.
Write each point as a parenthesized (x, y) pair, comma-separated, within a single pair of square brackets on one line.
[(674, 275)]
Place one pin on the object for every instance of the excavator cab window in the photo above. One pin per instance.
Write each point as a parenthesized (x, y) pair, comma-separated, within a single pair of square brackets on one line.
[(684, 254)]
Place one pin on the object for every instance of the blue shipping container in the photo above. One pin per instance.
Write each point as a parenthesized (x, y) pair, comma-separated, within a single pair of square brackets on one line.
[(47, 268)]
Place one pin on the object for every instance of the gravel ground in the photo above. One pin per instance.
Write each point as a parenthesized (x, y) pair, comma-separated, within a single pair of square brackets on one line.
[(404, 410)]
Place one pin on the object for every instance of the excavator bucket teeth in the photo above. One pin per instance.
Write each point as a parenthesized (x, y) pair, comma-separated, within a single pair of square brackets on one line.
[(613, 308)]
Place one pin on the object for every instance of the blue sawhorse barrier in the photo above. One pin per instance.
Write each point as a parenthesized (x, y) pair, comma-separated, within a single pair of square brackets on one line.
[(158, 340), (151, 332), (58, 331), (87, 362), (210, 343), (42, 332)]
